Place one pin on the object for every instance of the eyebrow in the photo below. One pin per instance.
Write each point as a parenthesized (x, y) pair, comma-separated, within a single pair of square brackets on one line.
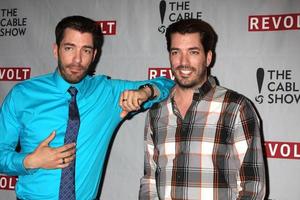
[(192, 48), (195, 48), (71, 44)]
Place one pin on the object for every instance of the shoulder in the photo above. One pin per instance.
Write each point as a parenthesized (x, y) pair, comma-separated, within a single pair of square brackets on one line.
[(98, 81), (105, 79), (102, 85), (34, 83), (230, 96), (237, 102), (117, 85), (97, 78)]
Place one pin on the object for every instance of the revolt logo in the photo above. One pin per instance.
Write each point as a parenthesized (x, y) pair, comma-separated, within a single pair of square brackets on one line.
[(7, 182), (274, 22), (282, 150), (14, 73), (108, 27), (277, 86), (160, 72), (173, 11)]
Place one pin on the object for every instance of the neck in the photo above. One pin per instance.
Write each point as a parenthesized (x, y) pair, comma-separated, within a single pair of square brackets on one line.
[(183, 98), (183, 92)]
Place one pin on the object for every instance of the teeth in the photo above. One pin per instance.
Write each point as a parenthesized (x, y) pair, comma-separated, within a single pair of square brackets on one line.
[(185, 71)]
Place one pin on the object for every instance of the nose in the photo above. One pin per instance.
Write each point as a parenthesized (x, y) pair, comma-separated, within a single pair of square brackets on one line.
[(184, 61), (77, 57)]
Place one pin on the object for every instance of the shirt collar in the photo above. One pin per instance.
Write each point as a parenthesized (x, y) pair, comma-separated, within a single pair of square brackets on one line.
[(205, 88), (63, 85)]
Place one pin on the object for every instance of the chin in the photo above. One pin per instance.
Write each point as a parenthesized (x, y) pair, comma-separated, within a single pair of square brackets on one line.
[(72, 79), (187, 84)]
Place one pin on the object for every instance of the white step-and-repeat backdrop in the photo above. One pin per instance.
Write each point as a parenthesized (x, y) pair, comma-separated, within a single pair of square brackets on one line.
[(258, 54)]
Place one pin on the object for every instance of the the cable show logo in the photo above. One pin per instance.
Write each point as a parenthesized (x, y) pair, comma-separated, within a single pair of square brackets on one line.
[(11, 23), (172, 11), (277, 86)]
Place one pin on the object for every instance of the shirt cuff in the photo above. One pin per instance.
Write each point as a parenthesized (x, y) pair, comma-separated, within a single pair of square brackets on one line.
[(19, 164)]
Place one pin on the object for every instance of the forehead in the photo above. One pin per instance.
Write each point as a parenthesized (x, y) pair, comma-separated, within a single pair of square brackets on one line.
[(76, 37), (191, 39)]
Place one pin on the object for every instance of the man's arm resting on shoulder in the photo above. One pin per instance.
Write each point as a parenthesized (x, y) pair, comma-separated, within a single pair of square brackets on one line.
[(162, 87), (149, 92)]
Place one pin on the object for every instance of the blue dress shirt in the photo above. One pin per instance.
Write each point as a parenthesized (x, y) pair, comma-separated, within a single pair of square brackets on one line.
[(36, 107)]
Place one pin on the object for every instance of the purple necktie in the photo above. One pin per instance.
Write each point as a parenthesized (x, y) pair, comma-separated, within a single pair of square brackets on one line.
[(67, 182)]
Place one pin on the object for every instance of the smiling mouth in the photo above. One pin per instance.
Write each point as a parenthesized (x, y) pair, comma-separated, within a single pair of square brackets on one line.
[(184, 72)]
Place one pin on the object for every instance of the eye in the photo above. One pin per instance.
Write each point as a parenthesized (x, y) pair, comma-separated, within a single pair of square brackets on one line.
[(88, 51), (68, 48), (174, 52), (194, 52)]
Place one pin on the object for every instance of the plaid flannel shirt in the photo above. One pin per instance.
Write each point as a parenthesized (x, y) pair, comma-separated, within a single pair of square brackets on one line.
[(214, 153)]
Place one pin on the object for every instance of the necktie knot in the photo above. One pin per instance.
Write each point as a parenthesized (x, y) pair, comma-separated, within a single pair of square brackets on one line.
[(73, 91)]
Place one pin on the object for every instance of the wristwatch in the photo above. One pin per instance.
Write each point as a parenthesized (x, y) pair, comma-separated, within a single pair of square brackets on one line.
[(152, 96)]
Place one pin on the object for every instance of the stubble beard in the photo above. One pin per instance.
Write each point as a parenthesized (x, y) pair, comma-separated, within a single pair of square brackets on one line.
[(70, 78)]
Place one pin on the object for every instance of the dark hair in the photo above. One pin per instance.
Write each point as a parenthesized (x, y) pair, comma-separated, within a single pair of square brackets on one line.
[(84, 25), (207, 34)]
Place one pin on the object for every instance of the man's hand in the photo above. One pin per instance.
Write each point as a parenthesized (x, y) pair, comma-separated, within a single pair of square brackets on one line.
[(131, 100), (50, 158)]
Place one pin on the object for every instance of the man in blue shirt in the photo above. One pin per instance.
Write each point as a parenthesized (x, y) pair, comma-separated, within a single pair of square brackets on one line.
[(35, 114)]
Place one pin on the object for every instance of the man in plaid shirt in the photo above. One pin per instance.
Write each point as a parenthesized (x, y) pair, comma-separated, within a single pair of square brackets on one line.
[(204, 141)]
